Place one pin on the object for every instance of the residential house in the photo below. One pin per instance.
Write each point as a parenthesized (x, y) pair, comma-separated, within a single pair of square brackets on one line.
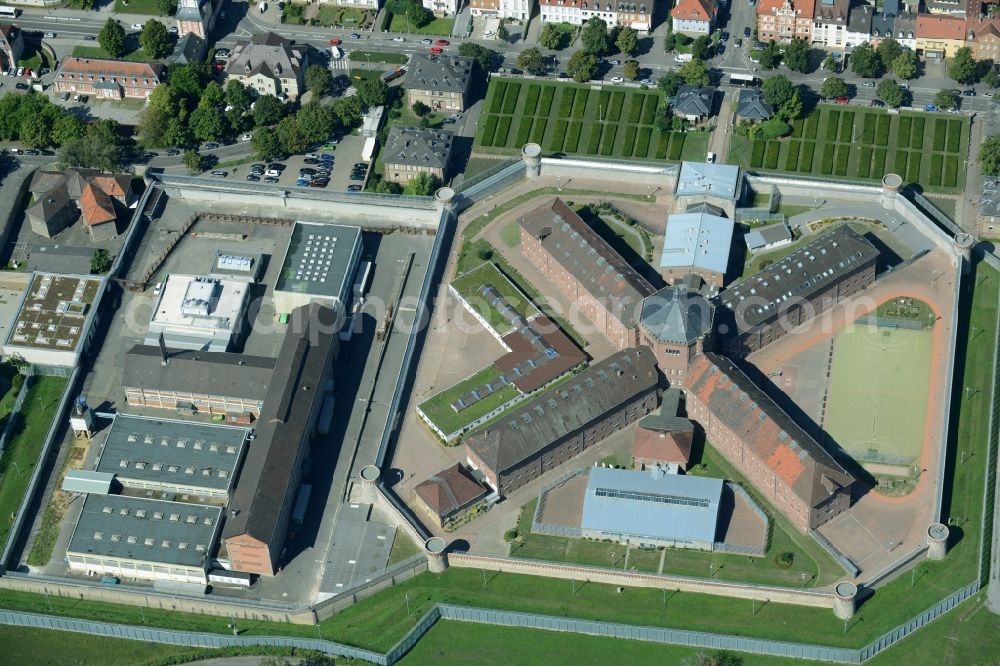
[(767, 238), (984, 39), (830, 26), (196, 17), (518, 10), (905, 26), (694, 103), (412, 150), (190, 48), (109, 79), (269, 64), (782, 20), (561, 11), (442, 7), (750, 105), (449, 495), (62, 196), (859, 26), (884, 20), (11, 45), (52, 212), (440, 82), (956, 8), (694, 17), (940, 35)]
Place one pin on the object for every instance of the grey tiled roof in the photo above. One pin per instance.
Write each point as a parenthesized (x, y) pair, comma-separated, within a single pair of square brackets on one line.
[(584, 399), (694, 100), (772, 233), (418, 146), (212, 373), (675, 314), (440, 73), (751, 105)]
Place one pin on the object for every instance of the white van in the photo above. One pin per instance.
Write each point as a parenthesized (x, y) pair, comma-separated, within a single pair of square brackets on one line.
[(263, 7), (682, 57), (336, 53)]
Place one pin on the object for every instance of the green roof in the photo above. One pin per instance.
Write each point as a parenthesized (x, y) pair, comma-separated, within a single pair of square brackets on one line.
[(470, 287), (439, 408)]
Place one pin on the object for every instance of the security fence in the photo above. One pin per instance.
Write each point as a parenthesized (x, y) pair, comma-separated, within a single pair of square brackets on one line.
[(844, 561), (468, 194), (554, 530)]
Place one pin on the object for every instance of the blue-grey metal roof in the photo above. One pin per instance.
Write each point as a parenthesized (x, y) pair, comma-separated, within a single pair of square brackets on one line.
[(84, 481), (320, 259), (719, 180), (697, 240), (169, 451), (652, 504), (772, 233), (147, 530), (675, 314)]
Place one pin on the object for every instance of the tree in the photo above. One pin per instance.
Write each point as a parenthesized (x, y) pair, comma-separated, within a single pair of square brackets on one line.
[(695, 72), (989, 156), (418, 15), (670, 42), (112, 38), (67, 128), (775, 128), (290, 136), (266, 145), (154, 39), (267, 110), (237, 95), (962, 68), (194, 161), (398, 7), (318, 80), (188, 81), (992, 78), (770, 55), (581, 66), (36, 131), (594, 36), (152, 126), (834, 87), (315, 121), (387, 187), (627, 41), (830, 63), (865, 61), (166, 7), (552, 36), (631, 69), (890, 92), (946, 99), (487, 60), (422, 185), (177, 134), (213, 95), (531, 61), (797, 55), (100, 261), (347, 111), (206, 123), (102, 146), (669, 83), (888, 50), (420, 108), (783, 97), (905, 65), (511, 535), (701, 47), (502, 33), (373, 92), (665, 118)]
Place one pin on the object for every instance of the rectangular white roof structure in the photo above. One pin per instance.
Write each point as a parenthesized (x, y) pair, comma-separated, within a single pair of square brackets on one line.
[(198, 312), (637, 503), (85, 481), (697, 240), (719, 180)]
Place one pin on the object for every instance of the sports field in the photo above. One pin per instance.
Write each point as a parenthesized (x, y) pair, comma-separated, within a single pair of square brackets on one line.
[(878, 392)]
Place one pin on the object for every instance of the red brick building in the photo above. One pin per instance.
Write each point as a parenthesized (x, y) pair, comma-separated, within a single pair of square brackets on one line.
[(664, 439), (109, 79), (675, 323), (449, 495), (783, 20), (560, 423), (809, 281), (785, 464), (588, 271)]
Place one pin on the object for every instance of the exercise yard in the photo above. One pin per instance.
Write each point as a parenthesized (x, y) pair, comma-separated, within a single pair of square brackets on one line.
[(879, 382)]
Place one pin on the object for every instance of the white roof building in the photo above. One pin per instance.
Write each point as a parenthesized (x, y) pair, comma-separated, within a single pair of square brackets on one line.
[(199, 313)]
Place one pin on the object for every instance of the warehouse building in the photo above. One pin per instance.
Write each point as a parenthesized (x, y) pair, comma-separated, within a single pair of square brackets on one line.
[(174, 457), (199, 313), (318, 267), (560, 423), (698, 243), (260, 511), (147, 539), (651, 508), (196, 381)]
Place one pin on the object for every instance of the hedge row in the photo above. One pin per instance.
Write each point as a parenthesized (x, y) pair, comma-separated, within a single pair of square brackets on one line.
[(812, 125), (878, 163), (523, 131), (608, 138), (865, 160), (635, 108), (899, 163), (538, 130), (797, 125), (903, 132), (847, 126), (771, 158), (917, 135), (840, 164), (531, 100), (503, 129), (868, 129), (489, 130), (940, 133), (496, 104), (676, 145), (913, 168), (829, 152), (580, 105), (615, 110), (510, 99), (792, 158), (882, 131), (628, 141), (573, 137), (950, 176), (757, 154), (954, 135), (566, 102), (642, 142), (806, 158), (832, 122), (558, 135), (937, 163), (661, 147), (603, 104), (594, 140), (649, 108), (546, 104)]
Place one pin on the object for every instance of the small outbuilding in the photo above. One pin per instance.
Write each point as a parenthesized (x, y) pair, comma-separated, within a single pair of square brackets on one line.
[(694, 103), (449, 495), (768, 238), (750, 105)]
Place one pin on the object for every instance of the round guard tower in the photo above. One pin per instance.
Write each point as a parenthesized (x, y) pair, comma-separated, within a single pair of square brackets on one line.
[(676, 323)]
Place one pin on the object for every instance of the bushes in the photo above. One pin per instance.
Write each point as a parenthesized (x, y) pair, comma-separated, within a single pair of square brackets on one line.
[(832, 122), (523, 131), (757, 154), (503, 130), (954, 136), (489, 130), (940, 133), (865, 159), (771, 158), (580, 105), (806, 157), (538, 130), (792, 158), (917, 134), (545, 106), (676, 145), (840, 164), (950, 176), (882, 130), (608, 139), (847, 126), (650, 102), (531, 100), (635, 108), (558, 135), (566, 102), (594, 141), (628, 141), (573, 137), (913, 168), (868, 129), (903, 132), (642, 139), (496, 104), (510, 99)]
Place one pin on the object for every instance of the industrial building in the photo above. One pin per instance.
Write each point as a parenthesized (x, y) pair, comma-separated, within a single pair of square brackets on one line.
[(298, 397), (147, 539), (560, 423), (196, 381), (799, 477), (651, 508), (199, 312), (697, 242), (804, 284), (318, 267), (54, 321), (173, 457), (585, 269)]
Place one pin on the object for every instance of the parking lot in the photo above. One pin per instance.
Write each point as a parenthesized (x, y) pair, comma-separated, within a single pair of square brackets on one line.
[(345, 155)]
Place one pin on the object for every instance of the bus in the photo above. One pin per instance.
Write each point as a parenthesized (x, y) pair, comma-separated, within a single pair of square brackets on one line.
[(744, 80), (9, 12)]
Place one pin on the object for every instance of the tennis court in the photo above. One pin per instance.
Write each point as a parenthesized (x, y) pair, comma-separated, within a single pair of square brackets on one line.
[(877, 400)]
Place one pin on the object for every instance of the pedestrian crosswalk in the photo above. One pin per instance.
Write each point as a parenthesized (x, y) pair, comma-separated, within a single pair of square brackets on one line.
[(340, 64)]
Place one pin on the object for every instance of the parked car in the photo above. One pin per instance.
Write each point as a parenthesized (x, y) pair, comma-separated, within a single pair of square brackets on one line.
[(442, 42), (222, 53), (89, 38), (427, 41), (211, 145), (647, 82), (746, 33), (868, 84), (64, 96), (31, 151), (436, 50), (253, 178), (319, 183), (49, 35), (172, 30), (20, 71), (273, 173), (877, 103), (246, 137), (399, 39), (302, 182), (841, 100), (739, 43), (617, 79), (354, 35), (931, 107), (357, 176), (353, 188), (614, 63), (220, 174), (137, 26), (710, 158), (173, 151), (308, 171), (276, 166), (326, 157), (271, 180), (21, 86), (335, 41), (969, 93)]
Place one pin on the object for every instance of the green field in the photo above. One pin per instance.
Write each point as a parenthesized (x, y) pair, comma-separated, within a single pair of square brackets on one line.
[(880, 419), (97, 52), (834, 142), (469, 286), (438, 408), (577, 120), (377, 56), (147, 7), (43, 647), (439, 26)]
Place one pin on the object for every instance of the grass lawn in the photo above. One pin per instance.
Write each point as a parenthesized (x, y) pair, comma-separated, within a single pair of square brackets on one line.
[(403, 547), (347, 17), (97, 52), (438, 408), (510, 234), (147, 7), (469, 286), (377, 56), (358, 74), (574, 119), (761, 260), (293, 14), (865, 144), (439, 26), (43, 647), (23, 449)]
